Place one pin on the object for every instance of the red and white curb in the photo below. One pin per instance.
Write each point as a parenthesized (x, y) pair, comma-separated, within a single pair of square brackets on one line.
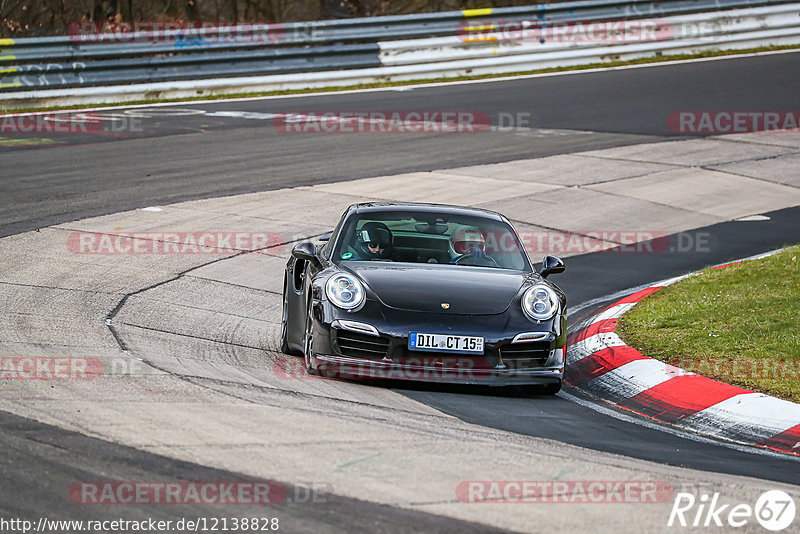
[(600, 363)]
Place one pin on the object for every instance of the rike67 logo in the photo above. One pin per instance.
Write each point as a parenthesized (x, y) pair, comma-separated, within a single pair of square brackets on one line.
[(774, 510)]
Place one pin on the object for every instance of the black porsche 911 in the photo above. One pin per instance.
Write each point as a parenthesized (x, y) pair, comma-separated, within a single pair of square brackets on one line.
[(425, 292)]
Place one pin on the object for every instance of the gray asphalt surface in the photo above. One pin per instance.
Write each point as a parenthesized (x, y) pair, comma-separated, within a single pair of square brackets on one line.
[(181, 157), (40, 463)]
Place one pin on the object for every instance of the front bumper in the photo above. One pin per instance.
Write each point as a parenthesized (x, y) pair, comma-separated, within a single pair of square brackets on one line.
[(384, 354), (342, 367)]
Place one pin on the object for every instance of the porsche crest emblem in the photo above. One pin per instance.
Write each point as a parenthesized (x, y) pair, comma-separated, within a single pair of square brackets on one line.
[(445, 305)]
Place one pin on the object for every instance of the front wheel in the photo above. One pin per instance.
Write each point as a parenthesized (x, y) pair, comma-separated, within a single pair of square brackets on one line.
[(540, 391), (551, 389), (285, 319), (308, 342)]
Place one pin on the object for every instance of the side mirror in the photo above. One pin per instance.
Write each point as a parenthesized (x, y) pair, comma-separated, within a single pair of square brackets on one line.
[(326, 236), (552, 265), (306, 251)]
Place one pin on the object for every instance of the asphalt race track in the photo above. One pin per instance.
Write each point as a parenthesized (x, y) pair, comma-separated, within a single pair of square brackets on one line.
[(209, 150), (180, 156), (39, 461)]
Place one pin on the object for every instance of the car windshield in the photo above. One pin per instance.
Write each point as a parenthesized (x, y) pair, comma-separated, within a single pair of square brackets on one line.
[(424, 237)]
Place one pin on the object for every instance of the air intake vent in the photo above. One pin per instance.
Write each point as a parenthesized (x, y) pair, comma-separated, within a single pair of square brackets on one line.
[(525, 355), (355, 345)]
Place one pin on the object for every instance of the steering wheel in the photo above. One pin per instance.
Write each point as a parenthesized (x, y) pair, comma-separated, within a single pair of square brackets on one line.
[(477, 261)]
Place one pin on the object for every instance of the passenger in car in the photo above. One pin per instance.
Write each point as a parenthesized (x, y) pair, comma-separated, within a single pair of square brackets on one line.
[(374, 241)]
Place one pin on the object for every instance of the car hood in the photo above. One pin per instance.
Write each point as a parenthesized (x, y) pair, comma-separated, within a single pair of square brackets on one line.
[(423, 287)]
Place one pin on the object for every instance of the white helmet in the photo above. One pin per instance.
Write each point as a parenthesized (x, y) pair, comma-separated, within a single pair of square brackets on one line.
[(467, 240)]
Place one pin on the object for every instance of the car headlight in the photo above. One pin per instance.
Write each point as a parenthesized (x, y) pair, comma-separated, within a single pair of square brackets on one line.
[(540, 302), (344, 291)]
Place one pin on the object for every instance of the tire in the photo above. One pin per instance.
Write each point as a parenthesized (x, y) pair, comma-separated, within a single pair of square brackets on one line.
[(308, 343), (540, 391), (551, 389), (285, 320)]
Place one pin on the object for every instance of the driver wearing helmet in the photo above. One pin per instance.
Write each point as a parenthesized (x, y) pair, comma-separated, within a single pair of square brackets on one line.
[(373, 242), (467, 241)]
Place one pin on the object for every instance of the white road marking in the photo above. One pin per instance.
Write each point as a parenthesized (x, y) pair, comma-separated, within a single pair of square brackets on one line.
[(634, 377), (590, 345), (751, 413), (244, 115), (752, 218), (614, 312)]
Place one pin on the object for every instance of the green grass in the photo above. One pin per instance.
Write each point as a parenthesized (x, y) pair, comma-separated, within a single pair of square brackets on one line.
[(739, 325), (659, 58)]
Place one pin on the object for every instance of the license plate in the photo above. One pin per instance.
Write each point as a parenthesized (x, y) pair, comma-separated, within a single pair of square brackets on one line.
[(445, 343)]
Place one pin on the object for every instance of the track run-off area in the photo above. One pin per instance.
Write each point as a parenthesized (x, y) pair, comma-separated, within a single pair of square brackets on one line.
[(185, 381)]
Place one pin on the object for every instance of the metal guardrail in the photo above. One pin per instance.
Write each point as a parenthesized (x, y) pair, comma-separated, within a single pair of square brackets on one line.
[(673, 35), (188, 66), (319, 46)]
